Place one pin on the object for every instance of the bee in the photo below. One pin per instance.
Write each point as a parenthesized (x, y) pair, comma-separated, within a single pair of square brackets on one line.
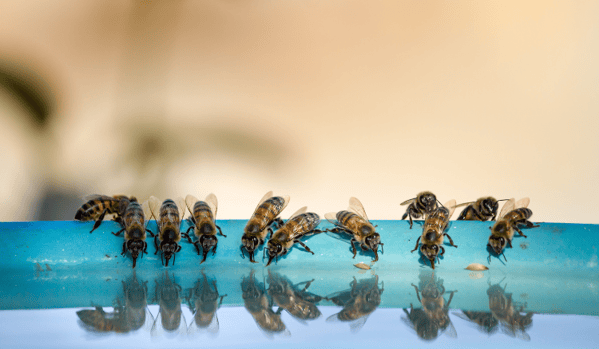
[(99, 321), (358, 303), (260, 224), (203, 220), (433, 232), (260, 307), (299, 304), (98, 206), (511, 216), (168, 219), (203, 301), (421, 206), (483, 209), (433, 319), (299, 225), (137, 314), (355, 222), (170, 317), (502, 307), (135, 228)]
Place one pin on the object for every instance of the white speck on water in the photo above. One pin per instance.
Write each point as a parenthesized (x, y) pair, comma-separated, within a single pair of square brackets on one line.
[(593, 262)]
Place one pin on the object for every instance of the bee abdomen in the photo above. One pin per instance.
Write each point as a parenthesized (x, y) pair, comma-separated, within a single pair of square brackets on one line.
[(201, 209), (344, 216)]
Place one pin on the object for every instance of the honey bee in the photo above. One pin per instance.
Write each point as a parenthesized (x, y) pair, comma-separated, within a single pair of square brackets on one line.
[(203, 301), (260, 224), (137, 314), (299, 225), (203, 220), (355, 222), (433, 232), (97, 206), (288, 297), (502, 307), (433, 319), (421, 206), (511, 216), (358, 303), (260, 307), (170, 317), (484, 320), (483, 209), (168, 219), (99, 321), (135, 228)]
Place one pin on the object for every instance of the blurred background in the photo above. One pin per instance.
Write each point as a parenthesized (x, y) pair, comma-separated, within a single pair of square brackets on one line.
[(317, 100)]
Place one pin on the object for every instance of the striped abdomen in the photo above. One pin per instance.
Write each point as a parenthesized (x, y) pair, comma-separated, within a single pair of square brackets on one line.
[(298, 226), (134, 222), (353, 222), (518, 215), (94, 208), (267, 212), (169, 220), (204, 219), (437, 220)]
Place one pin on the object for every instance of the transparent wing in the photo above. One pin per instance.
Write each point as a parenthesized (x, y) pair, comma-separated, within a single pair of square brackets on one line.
[(306, 224), (147, 326), (159, 328), (154, 203), (147, 212), (190, 201), (357, 324), (286, 202), (212, 202), (407, 202), (450, 205), (212, 328), (264, 198), (332, 217), (299, 212), (507, 207), (356, 206), (450, 331), (523, 203), (181, 207), (465, 204)]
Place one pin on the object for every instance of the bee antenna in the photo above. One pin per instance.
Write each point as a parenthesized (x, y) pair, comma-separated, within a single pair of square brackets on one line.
[(503, 200), (440, 203)]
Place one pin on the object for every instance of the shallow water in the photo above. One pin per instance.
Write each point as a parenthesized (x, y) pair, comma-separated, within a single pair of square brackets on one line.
[(65, 287)]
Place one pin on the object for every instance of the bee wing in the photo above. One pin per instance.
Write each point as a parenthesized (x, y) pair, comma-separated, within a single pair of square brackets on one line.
[(180, 207), (264, 198), (357, 324), (154, 203), (147, 326), (356, 206), (333, 318), (299, 212), (407, 202), (465, 204), (332, 217), (147, 212), (286, 202), (507, 207), (193, 329), (407, 321), (190, 201), (157, 329), (450, 331), (523, 203), (305, 221), (212, 202), (450, 205)]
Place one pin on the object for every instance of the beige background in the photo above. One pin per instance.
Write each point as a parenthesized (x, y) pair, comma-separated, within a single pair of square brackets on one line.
[(317, 100)]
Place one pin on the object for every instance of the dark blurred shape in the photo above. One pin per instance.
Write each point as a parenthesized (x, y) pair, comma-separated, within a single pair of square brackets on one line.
[(57, 205), (30, 89)]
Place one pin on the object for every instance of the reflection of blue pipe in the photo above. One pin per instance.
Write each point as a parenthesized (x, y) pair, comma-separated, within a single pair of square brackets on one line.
[(60, 264)]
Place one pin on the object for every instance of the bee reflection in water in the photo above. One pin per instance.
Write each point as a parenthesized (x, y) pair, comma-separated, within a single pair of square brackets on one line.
[(259, 305), (170, 317), (299, 303), (358, 302), (203, 300), (432, 319), (130, 317)]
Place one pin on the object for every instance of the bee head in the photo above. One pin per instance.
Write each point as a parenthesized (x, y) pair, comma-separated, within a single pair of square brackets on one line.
[(208, 242), (274, 249), (373, 241), (429, 201), (168, 250), (250, 242), (497, 243), (136, 247), (431, 252), (489, 206)]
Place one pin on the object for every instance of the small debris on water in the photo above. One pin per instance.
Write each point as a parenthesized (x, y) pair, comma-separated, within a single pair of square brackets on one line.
[(476, 267)]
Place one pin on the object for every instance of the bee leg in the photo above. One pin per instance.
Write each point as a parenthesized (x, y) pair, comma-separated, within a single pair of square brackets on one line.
[(417, 293), (99, 220), (417, 242), (145, 248), (509, 242), (410, 215), (382, 249), (186, 234), (156, 244), (519, 232), (450, 240), (270, 232), (118, 232), (530, 224), (242, 253), (279, 222), (252, 257), (150, 232), (214, 250), (303, 245), (220, 231), (178, 249), (442, 250), (124, 248), (197, 246), (376, 256), (353, 246)]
